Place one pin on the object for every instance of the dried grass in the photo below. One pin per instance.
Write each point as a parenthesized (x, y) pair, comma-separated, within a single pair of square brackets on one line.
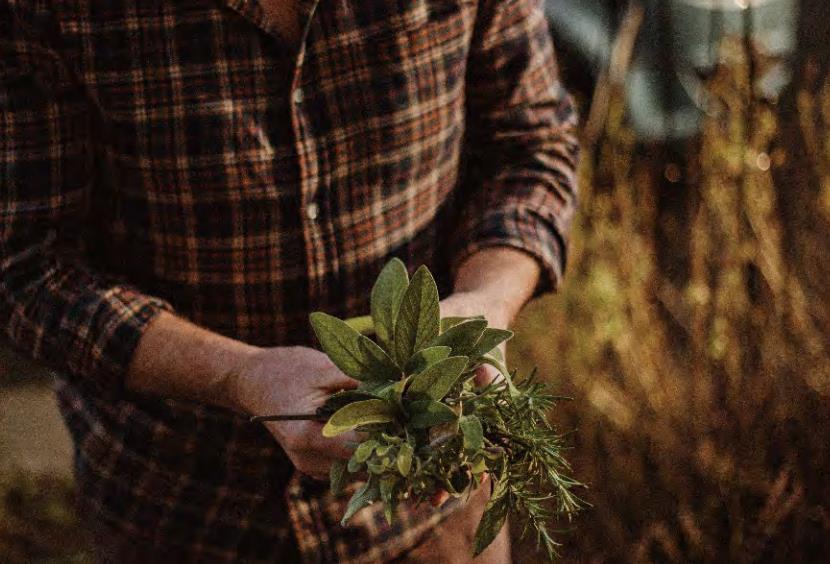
[(702, 408)]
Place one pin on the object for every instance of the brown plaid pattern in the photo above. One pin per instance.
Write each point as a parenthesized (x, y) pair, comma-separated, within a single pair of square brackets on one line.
[(178, 155)]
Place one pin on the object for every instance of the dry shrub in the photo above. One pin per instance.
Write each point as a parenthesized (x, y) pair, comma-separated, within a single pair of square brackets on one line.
[(701, 408)]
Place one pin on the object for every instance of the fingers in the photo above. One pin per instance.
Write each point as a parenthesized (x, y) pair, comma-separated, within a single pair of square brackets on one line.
[(338, 383), (334, 447), (332, 379)]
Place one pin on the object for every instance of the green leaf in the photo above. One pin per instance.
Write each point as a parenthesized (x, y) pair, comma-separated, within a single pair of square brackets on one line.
[(495, 514), (462, 338), (342, 344), (362, 324), (444, 432), (478, 465), (490, 339), (448, 323), (473, 432), (418, 320), (376, 388), (357, 414), (342, 399), (425, 358), (436, 381), (337, 476), (364, 450), (427, 413), (387, 491), (382, 365), (391, 439), (499, 365), (377, 466), (495, 354), (353, 465), (361, 498), (404, 460), (387, 294)]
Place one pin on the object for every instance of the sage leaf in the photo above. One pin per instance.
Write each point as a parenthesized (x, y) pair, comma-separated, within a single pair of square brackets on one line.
[(382, 366), (495, 514), (418, 320), (376, 388), (448, 323), (404, 460), (364, 450), (342, 399), (478, 466), (386, 297), (363, 324), (472, 432), (490, 339), (427, 413), (496, 354), (442, 433), (438, 379), (337, 476), (387, 491), (353, 465), (342, 345), (357, 414), (425, 358), (368, 493), (376, 466), (462, 338), (391, 439)]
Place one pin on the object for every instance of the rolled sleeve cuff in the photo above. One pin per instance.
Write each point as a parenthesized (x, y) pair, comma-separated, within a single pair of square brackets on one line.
[(102, 349), (518, 227)]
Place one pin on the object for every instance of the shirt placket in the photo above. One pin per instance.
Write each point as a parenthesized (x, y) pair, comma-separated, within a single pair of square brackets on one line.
[(308, 155)]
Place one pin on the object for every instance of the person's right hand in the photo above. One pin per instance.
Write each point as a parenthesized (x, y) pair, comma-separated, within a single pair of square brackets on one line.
[(296, 380)]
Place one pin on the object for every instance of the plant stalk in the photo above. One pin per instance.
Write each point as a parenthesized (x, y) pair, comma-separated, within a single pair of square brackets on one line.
[(292, 417)]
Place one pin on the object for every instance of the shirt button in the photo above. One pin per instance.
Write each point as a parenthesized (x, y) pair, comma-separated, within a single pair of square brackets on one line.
[(312, 210), (298, 96)]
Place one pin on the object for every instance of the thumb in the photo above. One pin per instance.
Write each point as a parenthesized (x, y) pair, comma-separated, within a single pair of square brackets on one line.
[(334, 380)]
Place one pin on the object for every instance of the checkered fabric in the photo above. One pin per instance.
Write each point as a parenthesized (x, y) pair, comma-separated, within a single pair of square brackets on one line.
[(179, 155)]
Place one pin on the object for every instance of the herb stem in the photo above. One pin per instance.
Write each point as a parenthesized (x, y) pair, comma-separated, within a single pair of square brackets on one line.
[(292, 417)]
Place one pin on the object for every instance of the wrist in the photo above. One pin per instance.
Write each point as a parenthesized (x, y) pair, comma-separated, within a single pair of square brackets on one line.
[(177, 359), (244, 379), (498, 310), (502, 278)]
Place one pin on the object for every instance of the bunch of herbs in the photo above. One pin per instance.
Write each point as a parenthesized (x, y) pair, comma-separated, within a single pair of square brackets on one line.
[(426, 424)]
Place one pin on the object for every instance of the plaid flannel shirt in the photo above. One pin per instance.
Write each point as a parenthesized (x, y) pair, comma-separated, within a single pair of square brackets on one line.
[(179, 156)]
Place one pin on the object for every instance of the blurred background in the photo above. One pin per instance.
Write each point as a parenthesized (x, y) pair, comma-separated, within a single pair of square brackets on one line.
[(693, 330)]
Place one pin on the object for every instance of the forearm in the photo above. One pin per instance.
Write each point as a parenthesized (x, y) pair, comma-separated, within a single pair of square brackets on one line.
[(502, 278), (177, 359), (520, 189)]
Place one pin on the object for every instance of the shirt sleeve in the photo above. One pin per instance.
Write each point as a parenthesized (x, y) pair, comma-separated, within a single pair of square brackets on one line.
[(54, 307), (519, 188)]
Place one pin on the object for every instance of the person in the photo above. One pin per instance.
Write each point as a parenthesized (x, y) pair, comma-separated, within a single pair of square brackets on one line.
[(184, 182)]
